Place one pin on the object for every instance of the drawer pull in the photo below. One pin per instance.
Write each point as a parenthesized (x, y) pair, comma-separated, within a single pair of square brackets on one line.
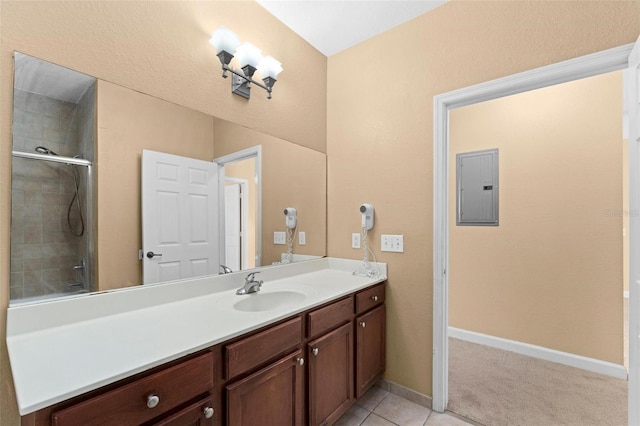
[(300, 361), (315, 351), (363, 324), (208, 412), (374, 298), (153, 401)]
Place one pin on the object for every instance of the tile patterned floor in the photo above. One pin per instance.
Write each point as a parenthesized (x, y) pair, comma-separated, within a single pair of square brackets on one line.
[(379, 407)]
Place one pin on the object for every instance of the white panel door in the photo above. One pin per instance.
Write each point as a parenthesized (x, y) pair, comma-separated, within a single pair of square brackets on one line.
[(232, 225), (633, 106), (179, 217)]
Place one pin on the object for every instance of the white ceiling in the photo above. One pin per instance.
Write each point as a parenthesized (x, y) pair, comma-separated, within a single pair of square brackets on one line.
[(334, 25)]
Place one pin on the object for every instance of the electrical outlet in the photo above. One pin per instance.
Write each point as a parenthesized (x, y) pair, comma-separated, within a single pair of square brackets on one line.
[(279, 238), (392, 243), (355, 240), (302, 238)]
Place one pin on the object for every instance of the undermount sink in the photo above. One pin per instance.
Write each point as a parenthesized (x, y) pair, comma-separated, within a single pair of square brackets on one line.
[(258, 302)]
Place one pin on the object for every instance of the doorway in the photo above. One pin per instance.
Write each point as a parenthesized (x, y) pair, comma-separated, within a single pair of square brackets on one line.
[(611, 60), (241, 215), (545, 287)]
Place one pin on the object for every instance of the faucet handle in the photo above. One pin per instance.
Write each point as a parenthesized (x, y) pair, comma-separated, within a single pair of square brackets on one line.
[(251, 275)]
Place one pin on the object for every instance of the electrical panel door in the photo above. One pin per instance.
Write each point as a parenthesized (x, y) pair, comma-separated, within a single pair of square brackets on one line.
[(477, 188)]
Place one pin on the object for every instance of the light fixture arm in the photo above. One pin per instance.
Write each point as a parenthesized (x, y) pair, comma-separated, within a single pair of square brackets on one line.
[(244, 80)]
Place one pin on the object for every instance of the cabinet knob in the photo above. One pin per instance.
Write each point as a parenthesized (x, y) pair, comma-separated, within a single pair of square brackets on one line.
[(208, 412), (153, 401), (363, 324), (315, 351), (374, 298), (300, 361)]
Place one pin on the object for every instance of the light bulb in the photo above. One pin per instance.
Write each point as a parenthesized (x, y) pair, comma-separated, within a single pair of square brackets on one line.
[(248, 54), (270, 67), (224, 39)]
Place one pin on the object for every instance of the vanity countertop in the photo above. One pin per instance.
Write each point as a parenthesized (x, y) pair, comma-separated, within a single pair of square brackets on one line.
[(63, 348)]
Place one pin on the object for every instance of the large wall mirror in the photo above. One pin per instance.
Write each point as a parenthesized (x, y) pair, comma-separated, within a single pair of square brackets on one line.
[(77, 220)]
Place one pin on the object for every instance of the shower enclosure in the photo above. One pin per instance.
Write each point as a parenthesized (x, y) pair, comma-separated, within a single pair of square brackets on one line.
[(52, 183)]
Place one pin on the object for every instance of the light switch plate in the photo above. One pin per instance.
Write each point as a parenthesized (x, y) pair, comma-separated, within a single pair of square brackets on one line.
[(355, 240), (302, 238), (392, 243), (279, 238)]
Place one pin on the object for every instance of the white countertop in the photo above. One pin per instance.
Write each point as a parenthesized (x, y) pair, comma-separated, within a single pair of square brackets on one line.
[(62, 348)]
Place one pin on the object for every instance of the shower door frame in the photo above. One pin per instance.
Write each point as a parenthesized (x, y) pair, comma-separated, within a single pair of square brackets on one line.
[(90, 263)]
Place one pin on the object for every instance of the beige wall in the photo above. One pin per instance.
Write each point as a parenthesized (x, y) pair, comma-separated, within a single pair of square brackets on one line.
[(379, 131), (296, 177), (161, 49), (127, 123), (551, 274)]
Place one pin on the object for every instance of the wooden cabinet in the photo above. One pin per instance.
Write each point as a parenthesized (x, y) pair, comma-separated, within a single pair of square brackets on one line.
[(152, 397), (273, 396), (307, 369), (251, 352), (370, 349), (330, 375), (370, 337), (198, 414)]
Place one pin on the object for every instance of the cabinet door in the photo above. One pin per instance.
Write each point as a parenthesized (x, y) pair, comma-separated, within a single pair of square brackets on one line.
[(199, 414), (370, 347), (331, 375), (273, 396)]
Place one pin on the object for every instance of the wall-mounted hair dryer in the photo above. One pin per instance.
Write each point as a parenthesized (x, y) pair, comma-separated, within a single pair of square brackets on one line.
[(290, 217), (367, 216)]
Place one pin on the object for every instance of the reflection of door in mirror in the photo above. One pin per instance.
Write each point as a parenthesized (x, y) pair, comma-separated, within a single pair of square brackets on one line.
[(179, 217), (235, 210), (52, 189), (241, 212)]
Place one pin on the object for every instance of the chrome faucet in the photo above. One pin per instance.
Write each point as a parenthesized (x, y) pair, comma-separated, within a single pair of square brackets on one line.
[(250, 284), (224, 270)]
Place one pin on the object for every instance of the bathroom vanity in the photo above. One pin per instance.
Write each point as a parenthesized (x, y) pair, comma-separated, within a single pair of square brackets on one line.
[(300, 351)]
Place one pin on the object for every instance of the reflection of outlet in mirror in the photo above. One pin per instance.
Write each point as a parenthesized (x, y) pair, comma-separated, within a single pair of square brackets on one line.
[(279, 238), (302, 238), (393, 243), (355, 240)]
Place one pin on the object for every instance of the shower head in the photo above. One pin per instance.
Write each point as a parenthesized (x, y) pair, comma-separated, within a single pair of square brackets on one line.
[(44, 150)]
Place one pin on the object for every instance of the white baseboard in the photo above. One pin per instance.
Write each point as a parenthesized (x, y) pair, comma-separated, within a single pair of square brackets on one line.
[(590, 364)]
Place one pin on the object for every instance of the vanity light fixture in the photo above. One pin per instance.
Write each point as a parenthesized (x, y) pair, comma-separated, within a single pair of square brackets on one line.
[(250, 59)]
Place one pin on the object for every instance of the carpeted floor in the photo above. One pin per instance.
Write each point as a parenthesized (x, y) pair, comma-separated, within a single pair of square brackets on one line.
[(495, 387)]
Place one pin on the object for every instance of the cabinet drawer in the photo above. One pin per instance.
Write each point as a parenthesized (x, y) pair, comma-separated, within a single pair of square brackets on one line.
[(326, 318), (369, 298), (253, 351), (200, 413), (127, 405)]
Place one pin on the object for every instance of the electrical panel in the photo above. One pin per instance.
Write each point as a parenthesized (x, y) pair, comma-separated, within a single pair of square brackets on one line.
[(477, 199)]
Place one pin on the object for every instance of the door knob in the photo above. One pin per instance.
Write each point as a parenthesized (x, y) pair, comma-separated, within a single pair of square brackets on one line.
[(363, 324), (315, 351), (151, 254), (300, 361)]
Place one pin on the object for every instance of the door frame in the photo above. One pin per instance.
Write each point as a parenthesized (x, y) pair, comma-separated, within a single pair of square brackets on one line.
[(614, 59), (254, 152), (244, 214)]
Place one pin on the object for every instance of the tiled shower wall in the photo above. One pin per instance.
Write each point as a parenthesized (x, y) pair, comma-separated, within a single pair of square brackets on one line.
[(43, 250)]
